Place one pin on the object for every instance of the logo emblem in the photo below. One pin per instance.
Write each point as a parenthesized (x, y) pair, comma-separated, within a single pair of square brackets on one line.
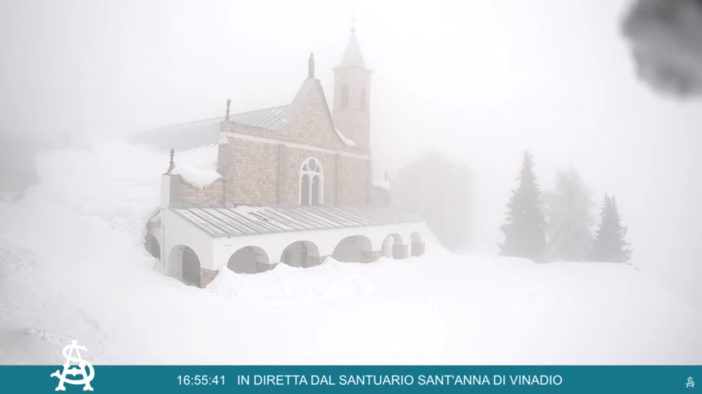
[(69, 369), (690, 383)]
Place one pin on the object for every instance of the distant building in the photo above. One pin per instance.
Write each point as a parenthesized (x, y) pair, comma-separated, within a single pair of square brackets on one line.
[(296, 187), (441, 190), (18, 163)]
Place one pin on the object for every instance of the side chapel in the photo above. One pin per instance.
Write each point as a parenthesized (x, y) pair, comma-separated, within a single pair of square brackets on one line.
[(296, 187)]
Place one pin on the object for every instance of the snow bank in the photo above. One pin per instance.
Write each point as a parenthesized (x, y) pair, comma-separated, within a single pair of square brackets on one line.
[(293, 284), (73, 266), (196, 177), (344, 139)]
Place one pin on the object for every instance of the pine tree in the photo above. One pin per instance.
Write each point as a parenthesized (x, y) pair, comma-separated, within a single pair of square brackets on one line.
[(609, 244), (524, 222), (569, 218)]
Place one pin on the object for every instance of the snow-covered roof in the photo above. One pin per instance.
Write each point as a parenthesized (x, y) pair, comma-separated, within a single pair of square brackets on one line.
[(245, 220), (196, 177)]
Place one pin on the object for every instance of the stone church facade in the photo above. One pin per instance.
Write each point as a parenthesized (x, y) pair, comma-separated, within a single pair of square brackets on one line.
[(296, 186)]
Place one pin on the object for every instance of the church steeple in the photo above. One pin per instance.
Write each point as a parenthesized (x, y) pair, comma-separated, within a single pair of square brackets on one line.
[(352, 54), (352, 94)]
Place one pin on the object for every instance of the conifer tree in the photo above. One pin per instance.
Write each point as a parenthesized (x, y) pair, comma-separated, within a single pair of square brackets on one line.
[(524, 221), (609, 244), (569, 218)]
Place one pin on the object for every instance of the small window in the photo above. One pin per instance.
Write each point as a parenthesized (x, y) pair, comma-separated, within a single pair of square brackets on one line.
[(363, 98), (311, 182), (344, 96)]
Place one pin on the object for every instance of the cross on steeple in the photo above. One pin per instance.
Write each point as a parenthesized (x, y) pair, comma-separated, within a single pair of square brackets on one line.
[(353, 23)]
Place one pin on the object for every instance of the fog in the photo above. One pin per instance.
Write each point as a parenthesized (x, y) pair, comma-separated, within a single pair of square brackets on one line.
[(476, 81)]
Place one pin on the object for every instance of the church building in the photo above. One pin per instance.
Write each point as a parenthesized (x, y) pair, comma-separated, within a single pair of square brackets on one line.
[(293, 185)]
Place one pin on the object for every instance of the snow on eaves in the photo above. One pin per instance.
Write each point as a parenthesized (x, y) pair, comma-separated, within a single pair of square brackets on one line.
[(196, 177), (344, 139), (385, 185)]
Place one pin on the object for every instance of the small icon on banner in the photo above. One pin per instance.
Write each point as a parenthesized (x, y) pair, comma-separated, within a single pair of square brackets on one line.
[(690, 383), (67, 370)]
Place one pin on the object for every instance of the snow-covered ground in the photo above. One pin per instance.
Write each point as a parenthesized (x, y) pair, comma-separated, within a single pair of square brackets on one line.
[(72, 266)]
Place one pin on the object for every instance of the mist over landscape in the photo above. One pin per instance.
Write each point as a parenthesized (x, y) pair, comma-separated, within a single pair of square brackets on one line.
[(606, 90)]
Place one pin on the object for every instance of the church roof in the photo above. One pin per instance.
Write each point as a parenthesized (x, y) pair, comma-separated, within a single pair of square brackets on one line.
[(203, 133), (269, 118), (246, 220), (181, 137), (352, 54)]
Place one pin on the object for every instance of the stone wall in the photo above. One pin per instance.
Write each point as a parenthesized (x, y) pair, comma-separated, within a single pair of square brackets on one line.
[(354, 182), (264, 173), (251, 169), (207, 276), (185, 195), (262, 166), (377, 196), (312, 124)]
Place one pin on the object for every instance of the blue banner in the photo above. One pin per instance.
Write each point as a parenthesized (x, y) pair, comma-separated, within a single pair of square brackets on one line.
[(347, 379)]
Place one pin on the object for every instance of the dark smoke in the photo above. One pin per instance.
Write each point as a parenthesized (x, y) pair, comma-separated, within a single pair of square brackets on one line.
[(666, 42)]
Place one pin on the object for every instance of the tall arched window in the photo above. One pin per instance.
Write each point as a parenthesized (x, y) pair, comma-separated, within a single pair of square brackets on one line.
[(344, 96), (305, 190), (311, 182), (363, 98)]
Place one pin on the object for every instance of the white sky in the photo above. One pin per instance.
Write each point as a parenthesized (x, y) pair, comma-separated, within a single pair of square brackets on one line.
[(478, 80)]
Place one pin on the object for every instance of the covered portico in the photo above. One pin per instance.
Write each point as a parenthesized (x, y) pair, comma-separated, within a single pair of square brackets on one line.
[(255, 239)]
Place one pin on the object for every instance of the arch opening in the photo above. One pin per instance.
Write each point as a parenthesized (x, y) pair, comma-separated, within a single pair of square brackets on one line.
[(393, 247), (354, 249), (185, 265), (303, 254), (249, 260), (417, 244), (152, 246)]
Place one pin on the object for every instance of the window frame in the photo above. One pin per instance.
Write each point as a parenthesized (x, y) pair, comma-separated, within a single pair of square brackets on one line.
[(318, 173)]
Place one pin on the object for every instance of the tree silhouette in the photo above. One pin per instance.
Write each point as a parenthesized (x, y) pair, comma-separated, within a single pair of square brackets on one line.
[(524, 221), (609, 244), (569, 218)]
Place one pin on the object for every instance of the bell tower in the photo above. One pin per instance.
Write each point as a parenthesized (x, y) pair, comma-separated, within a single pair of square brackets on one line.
[(352, 95)]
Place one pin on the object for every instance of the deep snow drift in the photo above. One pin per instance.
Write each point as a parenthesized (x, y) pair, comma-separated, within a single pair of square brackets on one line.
[(72, 266)]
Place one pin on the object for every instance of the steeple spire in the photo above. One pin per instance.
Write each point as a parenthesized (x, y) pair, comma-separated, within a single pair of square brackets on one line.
[(352, 94), (353, 23), (352, 54)]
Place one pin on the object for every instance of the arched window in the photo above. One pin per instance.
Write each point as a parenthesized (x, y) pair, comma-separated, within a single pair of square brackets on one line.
[(363, 98), (311, 182), (344, 96), (305, 190)]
